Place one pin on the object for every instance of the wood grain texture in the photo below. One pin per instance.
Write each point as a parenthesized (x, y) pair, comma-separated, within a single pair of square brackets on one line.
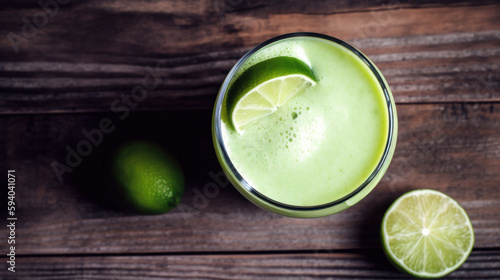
[(93, 52), (368, 264), (441, 59), (454, 148)]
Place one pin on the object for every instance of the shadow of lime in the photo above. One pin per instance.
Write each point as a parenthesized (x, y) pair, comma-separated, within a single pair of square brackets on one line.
[(186, 135), (370, 231)]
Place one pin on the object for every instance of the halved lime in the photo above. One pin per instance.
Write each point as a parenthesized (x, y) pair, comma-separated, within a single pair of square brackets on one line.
[(427, 234), (264, 87)]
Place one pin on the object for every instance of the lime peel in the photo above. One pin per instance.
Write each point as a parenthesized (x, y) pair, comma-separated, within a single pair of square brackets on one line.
[(147, 178)]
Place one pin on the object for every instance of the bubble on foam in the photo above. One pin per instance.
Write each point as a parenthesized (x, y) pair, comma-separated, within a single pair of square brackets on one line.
[(304, 140)]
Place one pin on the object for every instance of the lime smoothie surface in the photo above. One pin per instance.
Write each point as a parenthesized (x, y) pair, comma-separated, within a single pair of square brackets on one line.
[(322, 144)]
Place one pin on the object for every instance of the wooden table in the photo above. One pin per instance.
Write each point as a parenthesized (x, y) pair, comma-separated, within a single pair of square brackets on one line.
[(441, 59)]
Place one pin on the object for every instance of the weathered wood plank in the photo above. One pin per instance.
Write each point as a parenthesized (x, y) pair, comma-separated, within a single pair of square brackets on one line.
[(176, 27), (92, 53), (454, 148), (366, 264)]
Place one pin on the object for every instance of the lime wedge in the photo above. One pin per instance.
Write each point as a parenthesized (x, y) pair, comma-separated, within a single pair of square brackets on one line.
[(261, 89), (427, 234)]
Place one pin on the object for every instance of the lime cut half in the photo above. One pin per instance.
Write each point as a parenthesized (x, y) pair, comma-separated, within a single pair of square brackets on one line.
[(261, 89), (427, 234)]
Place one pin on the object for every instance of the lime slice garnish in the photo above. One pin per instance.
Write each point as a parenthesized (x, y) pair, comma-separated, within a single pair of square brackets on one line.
[(427, 234), (261, 89)]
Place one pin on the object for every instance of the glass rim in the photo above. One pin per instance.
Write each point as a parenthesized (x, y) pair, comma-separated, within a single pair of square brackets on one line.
[(220, 141)]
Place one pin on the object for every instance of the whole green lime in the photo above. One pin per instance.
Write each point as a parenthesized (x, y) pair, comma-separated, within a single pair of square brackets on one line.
[(148, 179)]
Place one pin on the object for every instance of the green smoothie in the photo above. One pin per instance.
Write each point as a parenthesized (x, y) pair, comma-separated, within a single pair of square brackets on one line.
[(324, 143)]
